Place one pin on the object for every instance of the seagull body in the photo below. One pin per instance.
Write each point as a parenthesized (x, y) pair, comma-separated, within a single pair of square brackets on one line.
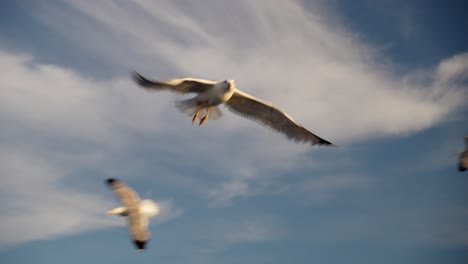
[(137, 212), (463, 157), (210, 94)]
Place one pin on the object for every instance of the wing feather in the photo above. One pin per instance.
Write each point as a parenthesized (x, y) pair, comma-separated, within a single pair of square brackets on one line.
[(138, 226), (137, 222), (180, 86), (270, 116)]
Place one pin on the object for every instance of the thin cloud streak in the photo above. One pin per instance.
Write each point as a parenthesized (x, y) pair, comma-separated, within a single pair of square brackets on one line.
[(345, 82), (35, 206)]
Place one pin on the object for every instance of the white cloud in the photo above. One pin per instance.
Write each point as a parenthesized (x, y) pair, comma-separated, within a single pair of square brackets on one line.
[(35, 206), (453, 70), (52, 100), (58, 125), (305, 63)]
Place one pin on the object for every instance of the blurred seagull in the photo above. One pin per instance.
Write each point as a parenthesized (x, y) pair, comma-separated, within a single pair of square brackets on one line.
[(210, 94), (463, 157), (137, 212)]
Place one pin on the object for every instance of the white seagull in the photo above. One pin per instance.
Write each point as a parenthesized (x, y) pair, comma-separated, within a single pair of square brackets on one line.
[(137, 212), (210, 94), (463, 157)]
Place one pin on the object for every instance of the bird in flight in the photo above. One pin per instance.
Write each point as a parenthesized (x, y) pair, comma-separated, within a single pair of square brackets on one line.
[(211, 94), (137, 212)]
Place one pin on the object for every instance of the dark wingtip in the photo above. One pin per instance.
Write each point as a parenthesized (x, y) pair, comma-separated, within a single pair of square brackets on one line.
[(140, 80), (323, 142), (140, 245), (110, 180), (327, 144), (134, 74)]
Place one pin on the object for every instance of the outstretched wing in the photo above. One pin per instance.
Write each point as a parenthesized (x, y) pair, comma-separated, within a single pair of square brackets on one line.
[(137, 222), (127, 196), (270, 116), (180, 85)]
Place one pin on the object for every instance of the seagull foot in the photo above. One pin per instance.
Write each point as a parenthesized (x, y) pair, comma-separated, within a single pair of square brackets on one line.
[(202, 120), (206, 116), (194, 117)]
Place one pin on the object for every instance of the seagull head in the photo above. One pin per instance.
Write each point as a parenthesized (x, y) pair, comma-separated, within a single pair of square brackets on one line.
[(228, 84)]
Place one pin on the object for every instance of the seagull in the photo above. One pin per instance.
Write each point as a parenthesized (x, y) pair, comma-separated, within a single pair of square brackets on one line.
[(211, 93), (137, 212), (463, 157)]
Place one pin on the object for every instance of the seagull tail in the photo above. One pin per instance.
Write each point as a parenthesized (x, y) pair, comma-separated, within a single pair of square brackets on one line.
[(188, 106), (215, 113)]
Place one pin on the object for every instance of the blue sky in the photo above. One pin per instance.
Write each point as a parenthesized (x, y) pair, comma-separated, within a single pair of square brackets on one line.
[(384, 80)]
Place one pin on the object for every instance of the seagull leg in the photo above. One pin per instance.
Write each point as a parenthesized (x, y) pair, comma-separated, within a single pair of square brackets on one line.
[(196, 113), (206, 116)]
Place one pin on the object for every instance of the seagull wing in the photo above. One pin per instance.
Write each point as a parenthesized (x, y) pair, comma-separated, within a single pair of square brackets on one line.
[(268, 115), (137, 222), (180, 85), (127, 196)]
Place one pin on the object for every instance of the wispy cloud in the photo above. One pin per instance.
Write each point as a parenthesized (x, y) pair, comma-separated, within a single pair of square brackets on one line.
[(236, 230), (317, 71), (453, 70), (35, 206), (59, 127), (248, 230), (323, 188), (168, 211)]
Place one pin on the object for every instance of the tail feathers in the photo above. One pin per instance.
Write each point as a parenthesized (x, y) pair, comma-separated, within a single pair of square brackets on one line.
[(215, 113), (122, 211), (189, 107)]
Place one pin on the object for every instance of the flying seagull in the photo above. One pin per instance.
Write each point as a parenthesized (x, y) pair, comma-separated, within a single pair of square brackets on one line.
[(463, 157), (137, 212), (210, 94)]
